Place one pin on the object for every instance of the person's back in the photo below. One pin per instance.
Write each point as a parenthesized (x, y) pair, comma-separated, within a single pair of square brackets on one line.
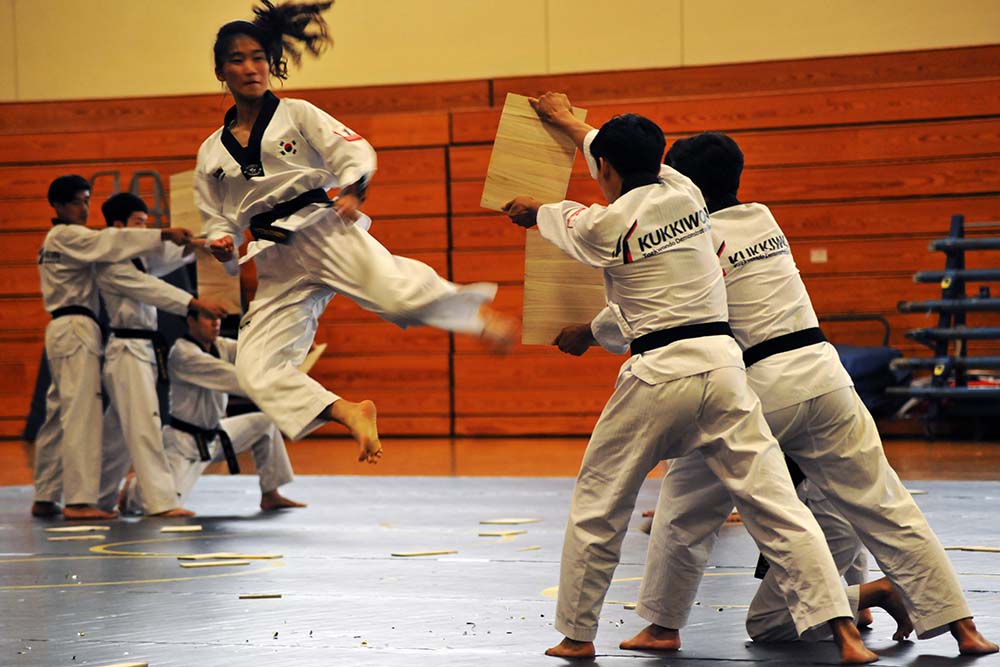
[(768, 299)]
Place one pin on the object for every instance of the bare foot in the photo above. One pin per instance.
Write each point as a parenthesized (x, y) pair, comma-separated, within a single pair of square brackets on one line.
[(572, 650), (272, 500), (500, 332), (359, 418), (865, 619), (852, 650), (653, 638), (881, 593), (45, 509), (174, 513), (86, 512), (970, 642)]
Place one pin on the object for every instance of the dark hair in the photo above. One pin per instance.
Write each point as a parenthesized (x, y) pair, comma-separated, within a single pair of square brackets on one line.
[(279, 29), (120, 206), (712, 160), (65, 188), (632, 144)]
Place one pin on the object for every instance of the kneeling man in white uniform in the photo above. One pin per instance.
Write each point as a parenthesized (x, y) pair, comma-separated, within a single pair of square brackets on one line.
[(197, 433)]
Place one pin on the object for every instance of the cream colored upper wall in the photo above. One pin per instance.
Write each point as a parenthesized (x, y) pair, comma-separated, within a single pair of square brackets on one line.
[(67, 49)]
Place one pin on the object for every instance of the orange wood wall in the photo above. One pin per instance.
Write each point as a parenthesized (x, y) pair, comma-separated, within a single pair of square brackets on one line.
[(865, 157)]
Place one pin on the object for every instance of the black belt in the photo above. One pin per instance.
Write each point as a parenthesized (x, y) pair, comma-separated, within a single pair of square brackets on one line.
[(74, 310), (785, 343), (262, 224), (159, 347), (203, 436), (665, 337)]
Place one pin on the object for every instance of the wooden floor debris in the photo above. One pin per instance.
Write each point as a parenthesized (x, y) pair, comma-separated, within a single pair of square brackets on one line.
[(76, 538), (214, 563), (180, 529), (259, 596), (501, 533), (991, 550), (414, 554), (228, 554), (77, 529)]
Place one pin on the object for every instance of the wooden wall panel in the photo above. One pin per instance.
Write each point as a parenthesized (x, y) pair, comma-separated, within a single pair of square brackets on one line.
[(815, 107), (863, 159), (876, 69)]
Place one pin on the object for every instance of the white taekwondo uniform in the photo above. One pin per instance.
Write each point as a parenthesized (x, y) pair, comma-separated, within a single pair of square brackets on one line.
[(132, 421), (811, 407), (661, 273), (296, 150), (68, 445), (200, 384)]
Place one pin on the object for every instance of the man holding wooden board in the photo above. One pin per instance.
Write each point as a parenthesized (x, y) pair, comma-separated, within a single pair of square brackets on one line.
[(684, 388)]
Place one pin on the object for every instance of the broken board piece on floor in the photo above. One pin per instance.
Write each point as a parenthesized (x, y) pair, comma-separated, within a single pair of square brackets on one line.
[(558, 291), (228, 554), (77, 529), (535, 547), (180, 529), (917, 492), (508, 522), (76, 538), (214, 563), (501, 533), (413, 554), (259, 596), (127, 664), (992, 550), (528, 158)]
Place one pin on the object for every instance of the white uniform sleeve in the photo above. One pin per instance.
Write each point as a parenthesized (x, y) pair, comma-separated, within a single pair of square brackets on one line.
[(608, 330), (227, 349), (591, 162), (345, 153), (103, 245), (209, 199), (578, 231), (125, 280), (168, 259), (189, 363)]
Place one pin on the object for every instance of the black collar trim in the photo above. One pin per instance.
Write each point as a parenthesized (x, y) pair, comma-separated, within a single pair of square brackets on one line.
[(213, 350), (59, 221), (249, 157)]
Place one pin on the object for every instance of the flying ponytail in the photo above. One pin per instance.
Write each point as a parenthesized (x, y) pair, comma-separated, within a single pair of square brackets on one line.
[(282, 30)]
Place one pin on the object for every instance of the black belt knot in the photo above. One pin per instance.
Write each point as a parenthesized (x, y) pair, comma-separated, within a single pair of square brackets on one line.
[(784, 343), (160, 347), (203, 436), (262, 225), (664, 337)]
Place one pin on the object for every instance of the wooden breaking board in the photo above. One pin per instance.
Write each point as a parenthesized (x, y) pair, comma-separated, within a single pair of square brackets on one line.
[(213, 281), (558, 291), (529, 157)]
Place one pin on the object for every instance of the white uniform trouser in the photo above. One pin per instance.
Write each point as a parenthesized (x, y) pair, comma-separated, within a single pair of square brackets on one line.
[(68, 445), (253, 431), (768, 619), (296, 282), (834, 441), (717, 416), (132, 431)]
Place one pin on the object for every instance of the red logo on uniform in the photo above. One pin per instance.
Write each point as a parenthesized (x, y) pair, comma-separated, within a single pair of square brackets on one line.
[(347, 134)]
